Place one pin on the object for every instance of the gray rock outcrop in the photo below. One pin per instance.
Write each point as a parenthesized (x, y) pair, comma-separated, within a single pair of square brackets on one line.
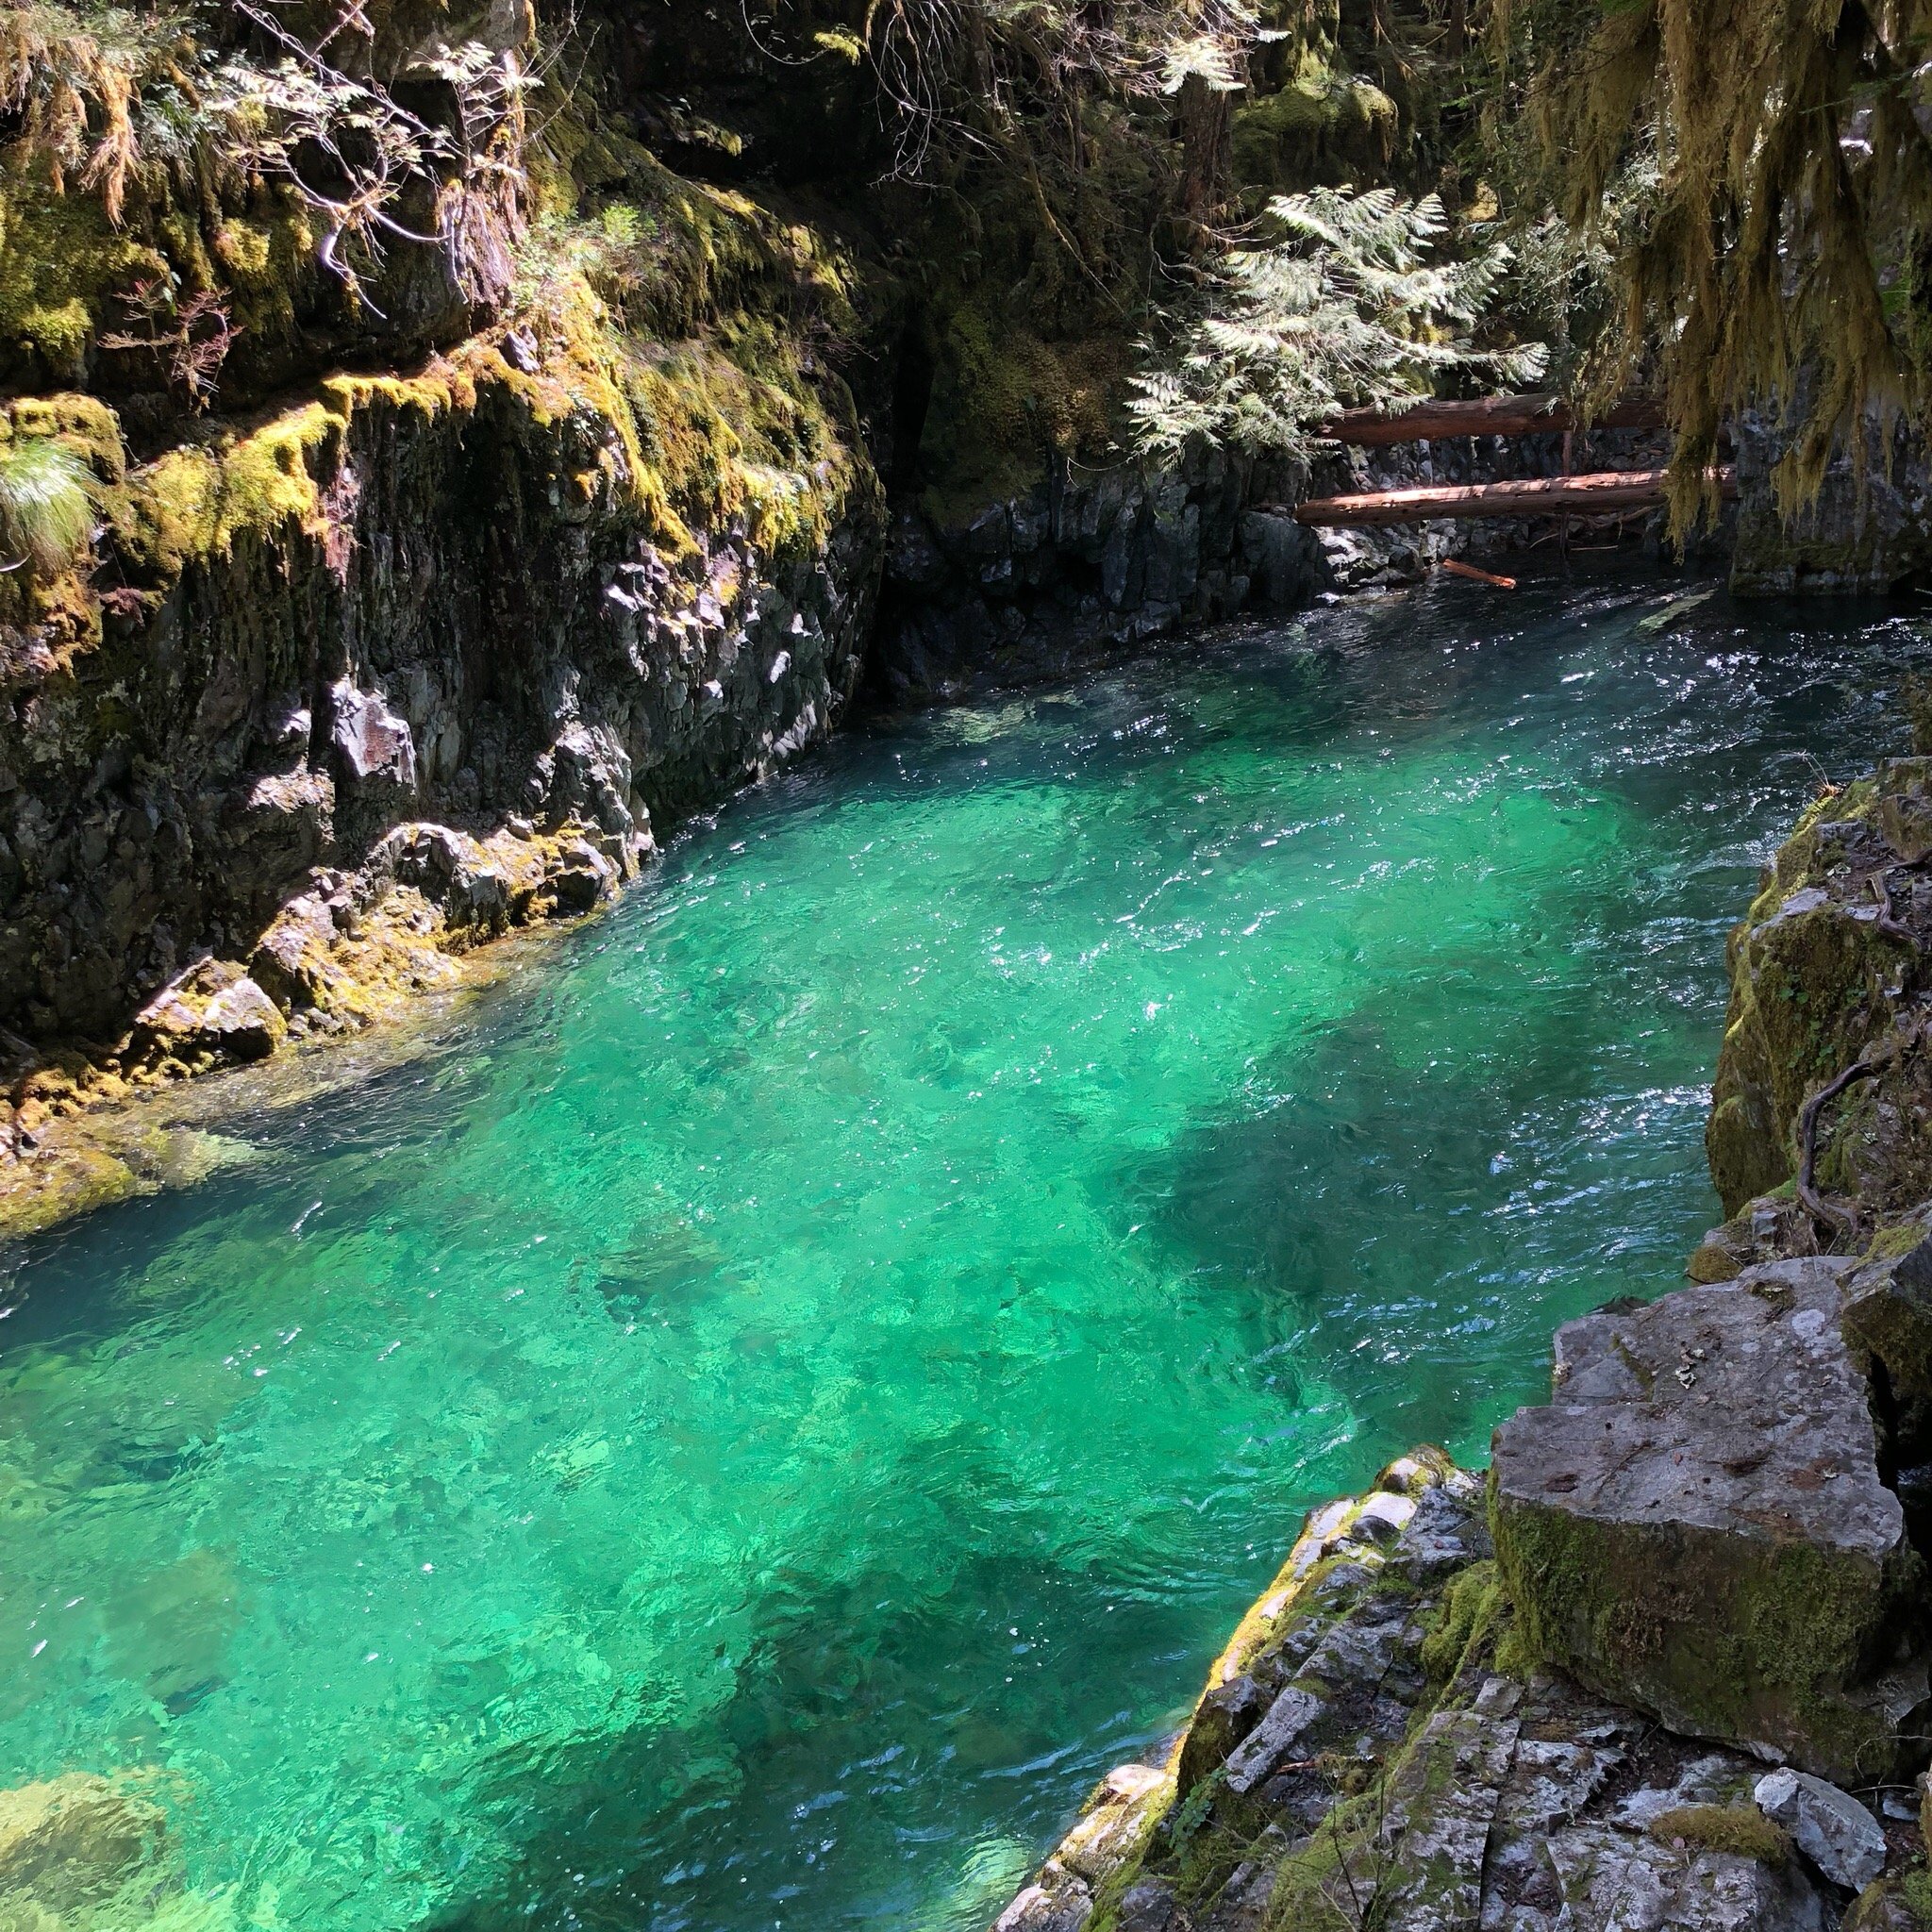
[(1888, 1319), (1697, 1525), (1365, 1755), (1832, 1829)]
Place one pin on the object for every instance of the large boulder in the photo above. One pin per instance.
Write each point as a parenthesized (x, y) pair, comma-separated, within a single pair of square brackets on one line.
[(1697, 1525), (212, 1012)]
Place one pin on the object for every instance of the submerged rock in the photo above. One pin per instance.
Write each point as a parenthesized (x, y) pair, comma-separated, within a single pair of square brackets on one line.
[(1697, 1525), (71, 1847)]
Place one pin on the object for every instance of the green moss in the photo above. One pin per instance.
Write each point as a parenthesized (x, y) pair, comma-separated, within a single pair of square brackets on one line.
[(62, 1184), (1323, 126), (262, 262), (1916, 1890), (1894, 1240), (1468, 1612), (1744, 1640), (83, 423), (1005, 401), (193, 504), (61, 267), (1742, 1831)]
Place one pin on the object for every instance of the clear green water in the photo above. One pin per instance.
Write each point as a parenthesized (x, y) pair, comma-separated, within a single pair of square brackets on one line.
[(742, 1435)]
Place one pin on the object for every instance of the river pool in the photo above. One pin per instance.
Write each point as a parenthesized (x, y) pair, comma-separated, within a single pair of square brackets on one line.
[(743, 1431)]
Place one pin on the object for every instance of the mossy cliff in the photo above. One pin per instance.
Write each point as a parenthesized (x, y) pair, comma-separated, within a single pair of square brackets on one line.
[(1827, 976), (456, 582)]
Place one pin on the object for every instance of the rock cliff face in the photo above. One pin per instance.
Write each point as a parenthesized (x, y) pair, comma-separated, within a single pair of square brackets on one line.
[(463, 613), (1095, 560), (1869, 530)]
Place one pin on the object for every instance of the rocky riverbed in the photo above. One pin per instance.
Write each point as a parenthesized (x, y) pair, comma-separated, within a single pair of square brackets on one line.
[(1666, 1665)]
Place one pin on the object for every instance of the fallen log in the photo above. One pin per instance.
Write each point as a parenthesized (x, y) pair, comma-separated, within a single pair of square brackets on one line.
[(1606, 491), (1456, 569), (1534, 415)]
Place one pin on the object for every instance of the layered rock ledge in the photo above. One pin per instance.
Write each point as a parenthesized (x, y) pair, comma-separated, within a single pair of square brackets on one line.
[(1378, 1747)]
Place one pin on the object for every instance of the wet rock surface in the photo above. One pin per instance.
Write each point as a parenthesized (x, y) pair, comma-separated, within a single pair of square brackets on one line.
[(1696, 1524), (1086, 564)]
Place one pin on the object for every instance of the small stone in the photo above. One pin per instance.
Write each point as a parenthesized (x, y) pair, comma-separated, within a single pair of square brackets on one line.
[(1147, 1906), (1383, 1517), (1828, 1825)]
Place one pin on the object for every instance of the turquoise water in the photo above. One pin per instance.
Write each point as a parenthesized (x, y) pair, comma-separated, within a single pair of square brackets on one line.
[(745, 1432)]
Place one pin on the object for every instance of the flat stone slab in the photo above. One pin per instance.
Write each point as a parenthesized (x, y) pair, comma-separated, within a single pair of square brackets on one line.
[(1695, 1524)]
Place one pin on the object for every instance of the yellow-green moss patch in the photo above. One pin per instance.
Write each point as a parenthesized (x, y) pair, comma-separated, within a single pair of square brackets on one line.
[(1742, 1831)]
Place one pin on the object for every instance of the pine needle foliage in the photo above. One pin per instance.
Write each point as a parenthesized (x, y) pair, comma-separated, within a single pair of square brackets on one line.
[(1787, 263), (47, 512), (1346, 306)]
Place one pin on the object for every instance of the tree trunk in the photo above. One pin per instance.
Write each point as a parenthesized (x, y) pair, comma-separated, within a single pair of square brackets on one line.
[(1206, 116), (1606, 491)]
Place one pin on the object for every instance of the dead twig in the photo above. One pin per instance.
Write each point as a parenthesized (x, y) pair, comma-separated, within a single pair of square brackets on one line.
[(1885, 922)]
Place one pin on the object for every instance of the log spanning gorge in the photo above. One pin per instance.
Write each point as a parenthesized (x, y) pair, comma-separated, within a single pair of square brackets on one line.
[(747, 1426)]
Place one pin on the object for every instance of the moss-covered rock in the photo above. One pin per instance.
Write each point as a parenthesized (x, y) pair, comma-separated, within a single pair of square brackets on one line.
[(1697, 1525), (1823, 970), (1424, 1785)]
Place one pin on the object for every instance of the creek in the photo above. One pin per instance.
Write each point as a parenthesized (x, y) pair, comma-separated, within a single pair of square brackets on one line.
[(743, 1431)]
